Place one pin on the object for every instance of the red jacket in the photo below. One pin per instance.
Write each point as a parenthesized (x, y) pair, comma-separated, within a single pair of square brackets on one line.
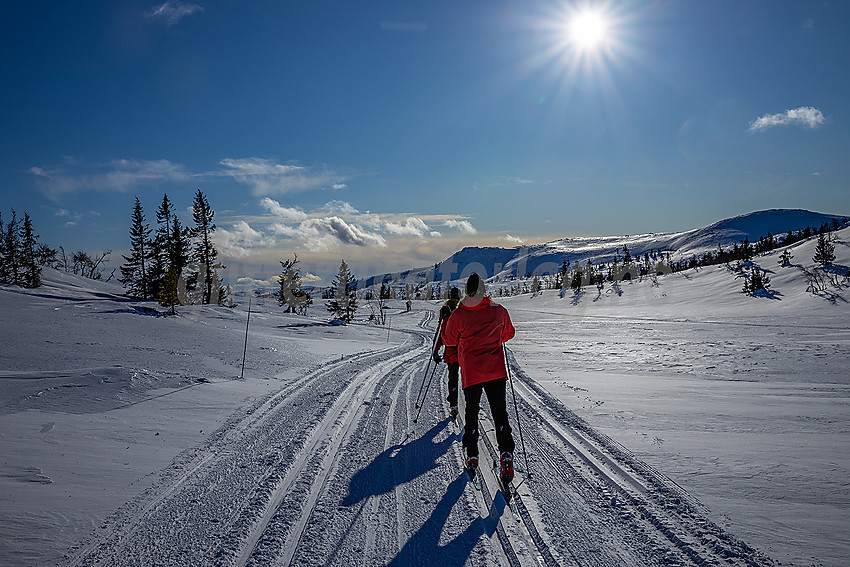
[(478, 331)]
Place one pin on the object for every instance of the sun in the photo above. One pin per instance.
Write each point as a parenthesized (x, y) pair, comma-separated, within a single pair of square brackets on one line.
[(588, 30)]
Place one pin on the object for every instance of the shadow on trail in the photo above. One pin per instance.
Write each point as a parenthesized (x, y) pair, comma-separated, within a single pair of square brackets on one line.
[(423, 548), (397, 465)]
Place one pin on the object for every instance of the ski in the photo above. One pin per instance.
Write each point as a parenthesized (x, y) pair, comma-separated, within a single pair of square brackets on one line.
[(507, 491)]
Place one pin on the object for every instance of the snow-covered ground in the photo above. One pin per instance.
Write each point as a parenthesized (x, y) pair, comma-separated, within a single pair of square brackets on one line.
[(683, 423), (743, 401)]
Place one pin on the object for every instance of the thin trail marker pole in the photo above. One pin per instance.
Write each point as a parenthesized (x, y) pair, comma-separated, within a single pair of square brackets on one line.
[(245, 350), (516, 409), (389, 326)]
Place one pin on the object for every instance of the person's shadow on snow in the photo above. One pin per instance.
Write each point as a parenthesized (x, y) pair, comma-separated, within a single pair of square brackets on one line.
[(397, 465), (423, 548)]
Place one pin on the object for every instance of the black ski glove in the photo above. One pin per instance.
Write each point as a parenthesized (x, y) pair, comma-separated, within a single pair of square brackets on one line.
[(436, 357)]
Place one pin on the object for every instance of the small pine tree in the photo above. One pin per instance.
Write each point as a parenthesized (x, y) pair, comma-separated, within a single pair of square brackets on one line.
[(565, 269), (785, 257), (292, 295), (536, 286), (160, 247), (343, 305), (29, 263), (168, 296), (824, 251), (758, 280), (205, 252), (135, 271), (12, 251), (576, 283)]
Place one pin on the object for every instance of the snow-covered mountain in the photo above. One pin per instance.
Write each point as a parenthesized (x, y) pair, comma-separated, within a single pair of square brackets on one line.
[(548, 257)]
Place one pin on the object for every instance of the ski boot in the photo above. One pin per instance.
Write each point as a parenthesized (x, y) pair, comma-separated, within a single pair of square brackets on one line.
[(472, 465), (506, 472)]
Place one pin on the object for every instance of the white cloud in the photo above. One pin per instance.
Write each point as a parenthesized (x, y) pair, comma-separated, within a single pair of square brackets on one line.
[(339, 230), (413, 226), (246, 283), (513, 239), (238, 241), (268, 178), (806, 116), (338, 208), (285, 213), (461, 225), (172, 12)]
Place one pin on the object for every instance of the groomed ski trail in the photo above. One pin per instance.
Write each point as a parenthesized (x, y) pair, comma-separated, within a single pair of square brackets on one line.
[(330, 470)]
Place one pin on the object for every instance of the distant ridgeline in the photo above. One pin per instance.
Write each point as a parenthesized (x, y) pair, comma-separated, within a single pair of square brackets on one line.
[(601, 258)]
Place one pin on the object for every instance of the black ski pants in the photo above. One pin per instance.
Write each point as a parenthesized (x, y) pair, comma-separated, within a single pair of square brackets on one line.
[(454, 369), (496, 391)]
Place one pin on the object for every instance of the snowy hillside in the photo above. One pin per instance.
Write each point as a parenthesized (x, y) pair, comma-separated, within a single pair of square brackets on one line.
[(548, 257), (667, 421)]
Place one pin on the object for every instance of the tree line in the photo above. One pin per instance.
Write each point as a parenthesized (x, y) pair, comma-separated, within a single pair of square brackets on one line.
[(173, 264), (20, 261), (22, 256)]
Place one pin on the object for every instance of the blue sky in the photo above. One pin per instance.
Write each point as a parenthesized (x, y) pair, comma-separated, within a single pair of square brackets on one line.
[(392, 134)]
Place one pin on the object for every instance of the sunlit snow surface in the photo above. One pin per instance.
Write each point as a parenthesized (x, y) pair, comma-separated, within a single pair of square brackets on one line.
[(742, 401)]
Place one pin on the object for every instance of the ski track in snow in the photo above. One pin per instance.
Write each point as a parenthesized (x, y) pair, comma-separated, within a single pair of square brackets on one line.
[(330, 470)]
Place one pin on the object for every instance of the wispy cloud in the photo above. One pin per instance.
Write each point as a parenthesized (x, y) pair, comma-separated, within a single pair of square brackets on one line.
[(119, 175), (804, 116), (513, 239), (266, 177), (173, 12)]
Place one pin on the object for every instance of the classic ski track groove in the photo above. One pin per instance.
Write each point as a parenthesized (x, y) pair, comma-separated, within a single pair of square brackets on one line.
[(192, 463), (544, 556), (343, 417), (508, 555), (663, 505)]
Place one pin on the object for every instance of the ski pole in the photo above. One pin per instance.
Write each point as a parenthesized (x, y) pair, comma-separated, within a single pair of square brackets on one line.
[(428, 387), (245, 350), (428, 366), (516, 409)]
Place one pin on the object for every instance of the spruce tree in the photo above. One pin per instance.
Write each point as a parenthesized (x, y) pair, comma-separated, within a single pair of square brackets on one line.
[(134, 272), (12, 250), (344, 302), (205, 252), (160, 247), (292, 295), (824, 251), (29, 263)]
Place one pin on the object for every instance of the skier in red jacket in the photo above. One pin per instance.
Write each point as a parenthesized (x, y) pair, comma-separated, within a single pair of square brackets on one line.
[(479, 327), (450, 352)]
